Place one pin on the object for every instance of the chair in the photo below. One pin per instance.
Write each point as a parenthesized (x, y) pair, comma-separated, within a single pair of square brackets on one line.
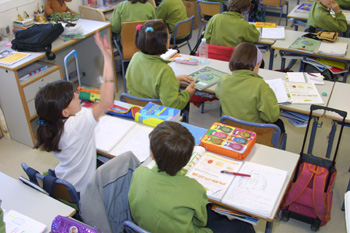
[(104, 203), (181, 29), (275, 5), (127, 98), (267, 134), (55, 187), (206, 8), (91, 13), (130, 227)]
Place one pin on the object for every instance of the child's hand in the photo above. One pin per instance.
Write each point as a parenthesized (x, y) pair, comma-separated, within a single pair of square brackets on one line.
[(190, 88), (104, 45), (335, 7), (184, 78)]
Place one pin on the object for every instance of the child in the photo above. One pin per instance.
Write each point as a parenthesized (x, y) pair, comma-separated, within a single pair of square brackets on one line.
[(66, 130), (150, 76), (229, 28), (163, 200), (172, 12), (320, 16), (244, 94), (129, 11)]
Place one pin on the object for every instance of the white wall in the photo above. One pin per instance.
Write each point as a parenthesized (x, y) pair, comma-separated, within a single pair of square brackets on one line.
[(9, 9)]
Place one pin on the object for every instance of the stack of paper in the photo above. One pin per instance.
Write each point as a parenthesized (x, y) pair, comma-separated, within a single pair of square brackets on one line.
[(335, 49), (273, 33)]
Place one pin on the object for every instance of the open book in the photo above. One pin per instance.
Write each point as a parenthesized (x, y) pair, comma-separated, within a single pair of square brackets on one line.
[(256, 194), (17, 222), (273, 33)]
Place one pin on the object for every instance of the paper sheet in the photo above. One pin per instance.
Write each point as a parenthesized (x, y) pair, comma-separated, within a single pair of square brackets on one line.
[(17, 222), (279, 89)]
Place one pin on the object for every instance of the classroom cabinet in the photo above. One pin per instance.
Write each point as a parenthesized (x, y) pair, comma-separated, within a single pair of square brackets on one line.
[(17, 99)]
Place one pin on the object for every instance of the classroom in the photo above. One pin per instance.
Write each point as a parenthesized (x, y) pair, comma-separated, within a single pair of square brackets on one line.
[(13, 152)]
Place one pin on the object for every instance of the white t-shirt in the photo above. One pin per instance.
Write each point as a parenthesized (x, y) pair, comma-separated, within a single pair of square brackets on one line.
[(78, 149)]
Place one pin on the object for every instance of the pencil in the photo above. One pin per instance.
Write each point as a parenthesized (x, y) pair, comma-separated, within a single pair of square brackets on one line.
[(235, 173)]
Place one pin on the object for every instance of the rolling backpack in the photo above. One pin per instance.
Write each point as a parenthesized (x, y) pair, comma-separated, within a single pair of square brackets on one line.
[(309, 199)]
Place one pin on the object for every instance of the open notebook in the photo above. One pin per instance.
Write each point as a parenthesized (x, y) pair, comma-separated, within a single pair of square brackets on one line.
[(17, 222)]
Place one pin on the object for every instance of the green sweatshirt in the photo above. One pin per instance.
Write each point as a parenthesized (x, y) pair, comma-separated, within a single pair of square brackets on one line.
[(127, 12), (150, 76), (320, 17), (246, 96), (162, 203), (171, 11), (344, 3), (229, 29)]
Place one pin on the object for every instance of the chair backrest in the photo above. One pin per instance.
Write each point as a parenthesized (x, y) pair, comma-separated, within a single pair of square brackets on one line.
[(127, 98), (275, 3), (267, 134), (209, 8), (91, 13), (222, 53), (130, 227), (183, 28)]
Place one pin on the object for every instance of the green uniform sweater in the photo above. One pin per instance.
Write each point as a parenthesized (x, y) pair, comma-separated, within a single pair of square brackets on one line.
[(171, 11), (246, 96), (150, 76)]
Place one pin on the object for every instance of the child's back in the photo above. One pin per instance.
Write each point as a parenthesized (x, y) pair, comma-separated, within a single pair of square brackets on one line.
[(172, 12), (321, 17)]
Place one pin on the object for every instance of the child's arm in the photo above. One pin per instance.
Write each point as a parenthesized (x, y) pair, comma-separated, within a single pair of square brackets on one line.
[(107, 87), (188, 79)]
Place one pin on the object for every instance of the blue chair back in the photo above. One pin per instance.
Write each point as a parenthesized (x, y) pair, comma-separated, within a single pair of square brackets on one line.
[(130, 227), (181, 29)]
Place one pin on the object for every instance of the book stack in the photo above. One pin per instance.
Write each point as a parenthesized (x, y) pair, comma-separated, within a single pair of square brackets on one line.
[(321, 64), (296, 119), (19, 25)]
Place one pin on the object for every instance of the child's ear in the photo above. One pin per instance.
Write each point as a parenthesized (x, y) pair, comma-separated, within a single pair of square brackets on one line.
[(65, 112)]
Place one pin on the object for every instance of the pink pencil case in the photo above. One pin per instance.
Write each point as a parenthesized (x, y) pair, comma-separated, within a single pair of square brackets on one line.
[(64, 224), (187, 60)]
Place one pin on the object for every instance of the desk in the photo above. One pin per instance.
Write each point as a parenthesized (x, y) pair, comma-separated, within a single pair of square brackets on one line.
[(17, 98), (339, 100), (266, 74), (291, 36), (19, 197)]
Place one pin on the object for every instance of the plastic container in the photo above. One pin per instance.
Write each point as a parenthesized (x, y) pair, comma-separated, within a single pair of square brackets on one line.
[(203, 52)]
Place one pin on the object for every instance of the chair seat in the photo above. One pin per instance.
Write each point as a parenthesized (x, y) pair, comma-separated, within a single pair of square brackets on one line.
[(273, 2)]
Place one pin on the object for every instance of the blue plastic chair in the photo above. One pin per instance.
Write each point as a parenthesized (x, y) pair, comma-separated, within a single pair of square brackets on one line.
[(206, 8), (131, 99), (182, 28), (130, 227), (267, 134)]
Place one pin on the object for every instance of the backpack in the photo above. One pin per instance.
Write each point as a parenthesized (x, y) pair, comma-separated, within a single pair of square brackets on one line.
[(255, 14), (37, 38)]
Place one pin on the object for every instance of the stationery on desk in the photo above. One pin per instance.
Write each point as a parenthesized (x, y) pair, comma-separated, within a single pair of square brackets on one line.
[(206, 77), (273, 33), (321, 64), (304, 8), (9, 57), (17, 222), (334, 49), (305, 44), (305, 77)]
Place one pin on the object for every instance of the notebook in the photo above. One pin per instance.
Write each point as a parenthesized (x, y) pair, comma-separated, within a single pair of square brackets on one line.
[(17, 222), (306, 45), (273, 33), (206, 77), (335, 48)]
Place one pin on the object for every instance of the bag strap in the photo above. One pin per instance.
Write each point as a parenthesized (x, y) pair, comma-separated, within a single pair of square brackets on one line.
[(49, 54), (49, 184), (298, 187)]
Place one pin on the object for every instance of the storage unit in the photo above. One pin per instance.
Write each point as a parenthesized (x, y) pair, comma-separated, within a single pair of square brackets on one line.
[(17, 98)]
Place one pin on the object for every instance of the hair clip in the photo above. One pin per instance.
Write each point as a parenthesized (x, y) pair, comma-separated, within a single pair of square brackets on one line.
[(40, 122), (149, 29), (138, 27)]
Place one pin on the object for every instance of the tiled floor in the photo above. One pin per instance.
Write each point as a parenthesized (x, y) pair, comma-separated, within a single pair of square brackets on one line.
[(13, 153)]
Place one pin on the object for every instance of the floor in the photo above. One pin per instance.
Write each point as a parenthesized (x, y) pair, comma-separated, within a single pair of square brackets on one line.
[(12, 154)]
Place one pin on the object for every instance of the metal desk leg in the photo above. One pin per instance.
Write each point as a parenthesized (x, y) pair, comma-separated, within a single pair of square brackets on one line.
[(269, 226), (272, 54), (283, 60)]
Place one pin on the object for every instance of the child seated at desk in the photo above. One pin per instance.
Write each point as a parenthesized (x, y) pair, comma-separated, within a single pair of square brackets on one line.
[(163, 200), (244, 94), (66, 130), (320, 16), (229, 28), (129, 11), (149, 75)]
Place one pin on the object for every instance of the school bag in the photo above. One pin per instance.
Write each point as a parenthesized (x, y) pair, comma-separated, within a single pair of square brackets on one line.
[(309, 199), (37, 38)]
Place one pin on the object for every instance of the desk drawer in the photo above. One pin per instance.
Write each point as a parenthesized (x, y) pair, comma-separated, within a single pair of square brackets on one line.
[(31, 90)]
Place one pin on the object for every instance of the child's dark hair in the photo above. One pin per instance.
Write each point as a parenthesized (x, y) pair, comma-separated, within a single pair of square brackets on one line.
[(172, 145), (238, 6), (50, 101), (136, 1), (152, 38), (244, 57)]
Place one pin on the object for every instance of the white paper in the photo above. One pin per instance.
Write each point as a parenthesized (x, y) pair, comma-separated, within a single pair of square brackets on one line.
[(296, 77), (335, 48), (279, 89), (303, 93), (316, 78), (17, 222), (273, 33)]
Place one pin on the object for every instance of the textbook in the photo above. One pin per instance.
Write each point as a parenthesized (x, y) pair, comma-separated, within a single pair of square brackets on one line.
[(127, 112), (11, 57), (305, 77), (304, 8), (305, 44), (265, 25), (273, 33), (229, 141), (17, 222), (206, 77), (234, 215), (254, 189), (333, 49), (321, 64), (153, 114), (279, 89)]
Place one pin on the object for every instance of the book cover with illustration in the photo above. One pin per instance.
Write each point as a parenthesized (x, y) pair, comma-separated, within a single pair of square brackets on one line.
[(304, 8), (153, 114), (206, 77), (305, 44), (265, 25), (228, 140)]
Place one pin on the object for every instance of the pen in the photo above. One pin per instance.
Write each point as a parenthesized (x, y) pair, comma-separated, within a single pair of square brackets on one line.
[(312, 74), (235, 173)]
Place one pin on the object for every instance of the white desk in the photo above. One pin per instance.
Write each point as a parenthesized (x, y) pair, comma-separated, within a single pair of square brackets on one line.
[(17, 98), (19, 197), (291, 36), (339, 100), (266, 74)]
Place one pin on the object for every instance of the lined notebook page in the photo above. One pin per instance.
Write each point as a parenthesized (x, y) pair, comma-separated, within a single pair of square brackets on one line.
[(279, 89), (17, 222)]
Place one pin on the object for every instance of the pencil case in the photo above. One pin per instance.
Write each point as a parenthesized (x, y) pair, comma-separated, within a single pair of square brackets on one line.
[(229, 141), (63, 224), (186, 60)]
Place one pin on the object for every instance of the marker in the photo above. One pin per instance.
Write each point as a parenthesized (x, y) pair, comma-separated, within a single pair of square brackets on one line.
[(235, 173)]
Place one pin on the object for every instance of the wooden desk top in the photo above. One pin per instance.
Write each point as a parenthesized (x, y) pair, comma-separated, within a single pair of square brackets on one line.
[(19, 197), (339, 100), (89, 26)]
